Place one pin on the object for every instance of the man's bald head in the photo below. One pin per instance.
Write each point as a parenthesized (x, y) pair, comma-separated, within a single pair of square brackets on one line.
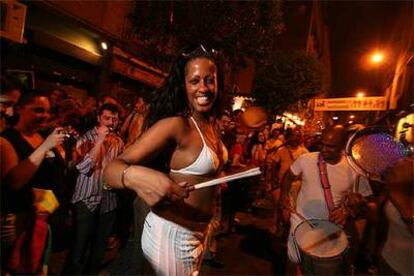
[(333, 142), (335, 134)]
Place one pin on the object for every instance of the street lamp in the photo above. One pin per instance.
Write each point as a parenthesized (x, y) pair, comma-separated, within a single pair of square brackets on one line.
[(377, 57), (360, 94), (104, 46)]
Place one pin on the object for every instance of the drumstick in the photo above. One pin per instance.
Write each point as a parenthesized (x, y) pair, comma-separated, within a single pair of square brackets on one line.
[(238, 175), (301, 217), (228, 178)]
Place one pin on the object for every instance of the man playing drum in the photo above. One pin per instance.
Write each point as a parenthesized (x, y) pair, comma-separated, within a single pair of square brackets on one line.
[(327, 179)]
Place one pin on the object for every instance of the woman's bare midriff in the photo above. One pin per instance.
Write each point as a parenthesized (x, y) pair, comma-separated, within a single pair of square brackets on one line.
[(196, 211)]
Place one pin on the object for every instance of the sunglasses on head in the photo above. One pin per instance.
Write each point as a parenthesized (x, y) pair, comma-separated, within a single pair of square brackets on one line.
[(201, 50)]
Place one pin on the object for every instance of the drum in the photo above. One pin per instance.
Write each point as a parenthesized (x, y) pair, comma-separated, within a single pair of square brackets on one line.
[(323, 246)]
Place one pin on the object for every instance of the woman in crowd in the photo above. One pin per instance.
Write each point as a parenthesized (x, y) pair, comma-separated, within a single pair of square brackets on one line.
[(134, 122), (28, 161), (258, 152), (183, 140)]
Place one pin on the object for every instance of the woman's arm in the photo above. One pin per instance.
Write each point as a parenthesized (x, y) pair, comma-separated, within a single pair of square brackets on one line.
[(128, 170), (17, 174)]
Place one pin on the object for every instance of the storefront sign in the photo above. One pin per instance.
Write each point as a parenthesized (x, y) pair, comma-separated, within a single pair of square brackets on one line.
[(348, 104)]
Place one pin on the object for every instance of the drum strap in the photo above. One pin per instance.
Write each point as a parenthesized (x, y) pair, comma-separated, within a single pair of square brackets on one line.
[(326, 187)]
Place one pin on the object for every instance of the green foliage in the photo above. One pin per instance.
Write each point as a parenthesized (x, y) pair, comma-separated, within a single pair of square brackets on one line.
[(286, 79), (237, 28)]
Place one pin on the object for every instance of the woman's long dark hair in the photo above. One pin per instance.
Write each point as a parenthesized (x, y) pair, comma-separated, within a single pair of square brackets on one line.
[(171, 99)]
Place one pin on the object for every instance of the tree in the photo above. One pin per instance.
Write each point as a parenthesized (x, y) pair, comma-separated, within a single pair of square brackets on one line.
[(237, 28), (285, 80)]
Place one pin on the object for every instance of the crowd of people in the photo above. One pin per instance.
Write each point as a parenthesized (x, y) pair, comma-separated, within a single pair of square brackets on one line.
[(130, 176)]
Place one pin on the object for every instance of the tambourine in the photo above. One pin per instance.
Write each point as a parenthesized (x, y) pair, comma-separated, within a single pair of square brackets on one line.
[(372, 150)]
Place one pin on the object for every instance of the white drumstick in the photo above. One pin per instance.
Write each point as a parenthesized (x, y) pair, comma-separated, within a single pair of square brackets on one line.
[(232, 176), (228, 178)]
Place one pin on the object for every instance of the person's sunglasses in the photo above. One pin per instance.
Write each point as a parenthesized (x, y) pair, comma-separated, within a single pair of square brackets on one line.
[(201, 50)]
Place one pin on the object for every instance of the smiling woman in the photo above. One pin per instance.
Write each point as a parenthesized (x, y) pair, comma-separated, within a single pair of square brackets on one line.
[(28, 160), (201, 83), (184, 145)]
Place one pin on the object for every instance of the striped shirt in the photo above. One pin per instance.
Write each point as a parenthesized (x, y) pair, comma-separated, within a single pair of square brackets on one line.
[(89, 184)]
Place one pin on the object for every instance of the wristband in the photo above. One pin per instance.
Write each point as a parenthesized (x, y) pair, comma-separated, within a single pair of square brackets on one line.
[(123, 176)]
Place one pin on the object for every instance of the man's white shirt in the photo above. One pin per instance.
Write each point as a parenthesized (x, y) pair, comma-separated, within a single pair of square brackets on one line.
[(311, 199)]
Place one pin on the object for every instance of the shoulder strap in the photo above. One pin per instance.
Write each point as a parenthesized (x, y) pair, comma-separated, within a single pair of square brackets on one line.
[(326, 187), (198, 129)]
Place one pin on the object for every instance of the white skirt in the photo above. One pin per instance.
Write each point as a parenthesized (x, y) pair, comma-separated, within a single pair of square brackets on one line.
[(170, 248)]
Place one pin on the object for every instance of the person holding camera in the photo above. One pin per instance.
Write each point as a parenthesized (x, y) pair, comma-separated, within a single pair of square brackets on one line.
[(28, 160)]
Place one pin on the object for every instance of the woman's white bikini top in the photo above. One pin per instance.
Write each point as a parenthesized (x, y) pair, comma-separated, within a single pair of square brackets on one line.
[(207, 162)]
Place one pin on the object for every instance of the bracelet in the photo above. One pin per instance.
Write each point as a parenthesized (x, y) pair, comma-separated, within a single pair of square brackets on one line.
[(123, 176)]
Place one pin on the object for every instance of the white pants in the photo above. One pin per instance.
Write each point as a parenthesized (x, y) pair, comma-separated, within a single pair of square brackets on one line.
[(170, 248)]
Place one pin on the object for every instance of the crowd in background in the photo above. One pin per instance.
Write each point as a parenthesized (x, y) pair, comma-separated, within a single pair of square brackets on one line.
[(56, 132)]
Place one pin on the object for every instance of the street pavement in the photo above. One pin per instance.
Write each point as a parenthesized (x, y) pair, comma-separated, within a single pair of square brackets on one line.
[(251, 250)]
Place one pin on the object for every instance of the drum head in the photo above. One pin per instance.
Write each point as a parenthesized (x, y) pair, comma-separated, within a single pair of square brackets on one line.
[(325, 240)]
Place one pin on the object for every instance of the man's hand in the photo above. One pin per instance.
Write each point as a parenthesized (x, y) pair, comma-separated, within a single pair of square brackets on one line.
[(102, 131), (354, 204), (338, 216)]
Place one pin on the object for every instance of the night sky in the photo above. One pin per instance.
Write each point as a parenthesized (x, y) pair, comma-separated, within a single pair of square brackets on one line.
[(357, 28)]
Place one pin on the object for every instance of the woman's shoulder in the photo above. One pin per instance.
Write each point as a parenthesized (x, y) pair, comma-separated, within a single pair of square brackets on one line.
[(175, 125), (173, 122)]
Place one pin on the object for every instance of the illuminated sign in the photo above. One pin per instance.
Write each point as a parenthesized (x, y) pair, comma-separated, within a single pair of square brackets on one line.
[(348, 104)]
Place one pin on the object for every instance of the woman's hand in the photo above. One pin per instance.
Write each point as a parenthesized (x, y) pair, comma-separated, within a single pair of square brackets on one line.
[(160, 188), (55, 138)]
